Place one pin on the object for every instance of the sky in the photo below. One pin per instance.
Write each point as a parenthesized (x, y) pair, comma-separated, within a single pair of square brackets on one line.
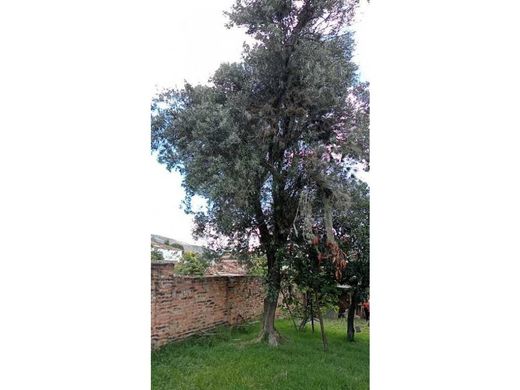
[(192, 55)]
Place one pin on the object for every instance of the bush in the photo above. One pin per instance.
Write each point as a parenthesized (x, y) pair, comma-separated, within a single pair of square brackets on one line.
[(178, 246), (192, 264), (156, 255)]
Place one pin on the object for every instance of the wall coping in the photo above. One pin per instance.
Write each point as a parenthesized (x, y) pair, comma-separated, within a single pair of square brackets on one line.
[(202, 277)]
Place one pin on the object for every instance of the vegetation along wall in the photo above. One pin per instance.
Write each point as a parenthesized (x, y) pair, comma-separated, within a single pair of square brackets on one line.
[(183, 306)]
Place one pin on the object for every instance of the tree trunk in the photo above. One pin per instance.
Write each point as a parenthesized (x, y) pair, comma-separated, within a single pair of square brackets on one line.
[(322, 327), (350, 318), (312, 313), (268, 332)]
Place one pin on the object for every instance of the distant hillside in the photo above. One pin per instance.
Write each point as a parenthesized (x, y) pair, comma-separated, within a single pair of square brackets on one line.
[(187, 247)]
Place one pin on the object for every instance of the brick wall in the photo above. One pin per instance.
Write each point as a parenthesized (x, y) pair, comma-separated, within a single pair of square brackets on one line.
[(183, 306)]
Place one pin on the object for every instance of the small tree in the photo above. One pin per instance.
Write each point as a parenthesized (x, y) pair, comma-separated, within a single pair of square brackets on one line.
[(353, 228), (192, 264), (315, 280), (318, 261)]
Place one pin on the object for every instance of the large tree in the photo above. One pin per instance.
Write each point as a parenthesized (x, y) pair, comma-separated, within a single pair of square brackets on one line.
[(288, 120)]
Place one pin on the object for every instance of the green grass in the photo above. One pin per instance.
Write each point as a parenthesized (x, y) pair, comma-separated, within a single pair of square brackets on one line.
[(228, 360)]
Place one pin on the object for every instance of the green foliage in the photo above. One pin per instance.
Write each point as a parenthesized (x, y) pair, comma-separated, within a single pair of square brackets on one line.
[(227, 360), (192, 264), (175, 245), (310, 266), (156, 255), (353, 229), (308, 274), (209, 256), (257, 265)]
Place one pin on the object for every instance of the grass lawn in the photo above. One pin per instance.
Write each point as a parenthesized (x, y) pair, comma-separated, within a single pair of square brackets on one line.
[(227, 360)]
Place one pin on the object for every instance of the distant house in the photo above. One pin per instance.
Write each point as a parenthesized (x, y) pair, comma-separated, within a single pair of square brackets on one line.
[(226, 266), (169, 253)]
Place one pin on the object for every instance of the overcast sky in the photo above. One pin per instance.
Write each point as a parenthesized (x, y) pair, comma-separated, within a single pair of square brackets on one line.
[(192, 52)]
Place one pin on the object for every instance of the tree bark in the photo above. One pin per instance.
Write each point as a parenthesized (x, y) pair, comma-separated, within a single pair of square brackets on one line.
[(350, 318), (311, 313), (322, 327), (268, 333)]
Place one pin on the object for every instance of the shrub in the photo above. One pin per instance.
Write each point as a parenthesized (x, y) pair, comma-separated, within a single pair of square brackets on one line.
[(156, 255), (192, 264)]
